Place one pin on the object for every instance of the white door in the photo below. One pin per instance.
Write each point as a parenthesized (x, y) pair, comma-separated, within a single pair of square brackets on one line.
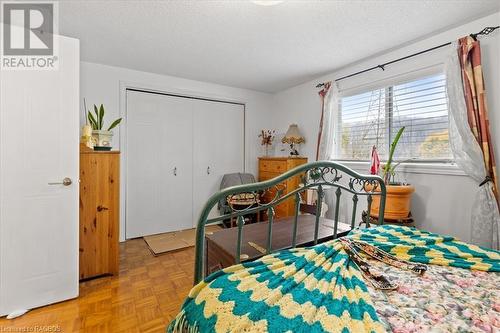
[(159, 163), (218, 149), (39, 130)]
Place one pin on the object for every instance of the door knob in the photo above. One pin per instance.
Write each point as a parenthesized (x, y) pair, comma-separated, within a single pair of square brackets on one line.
[(175, 171), (208, 170), (66, 182)]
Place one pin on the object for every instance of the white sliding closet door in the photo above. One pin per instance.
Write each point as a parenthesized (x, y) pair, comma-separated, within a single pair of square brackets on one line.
[(177, 151), (159, 163), (218, 148)]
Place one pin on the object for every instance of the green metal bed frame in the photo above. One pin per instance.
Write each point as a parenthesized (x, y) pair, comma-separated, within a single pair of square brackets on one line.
[(317, 176)]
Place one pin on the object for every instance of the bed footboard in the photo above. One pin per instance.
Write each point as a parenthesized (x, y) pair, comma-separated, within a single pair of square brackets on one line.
[(317, 176)]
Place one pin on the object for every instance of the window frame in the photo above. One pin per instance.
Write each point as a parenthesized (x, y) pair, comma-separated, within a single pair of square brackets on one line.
[(388, 86)]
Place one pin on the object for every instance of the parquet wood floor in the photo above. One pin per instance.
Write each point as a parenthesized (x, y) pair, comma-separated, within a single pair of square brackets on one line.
[(144, 297)]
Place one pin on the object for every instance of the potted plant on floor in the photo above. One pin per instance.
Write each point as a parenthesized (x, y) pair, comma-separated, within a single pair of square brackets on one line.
[(398, 199), (101, 137)]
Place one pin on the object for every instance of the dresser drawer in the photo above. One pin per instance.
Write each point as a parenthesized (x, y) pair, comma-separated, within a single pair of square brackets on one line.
[(266, 175), (263, 176), (270, 194), (272, 165)]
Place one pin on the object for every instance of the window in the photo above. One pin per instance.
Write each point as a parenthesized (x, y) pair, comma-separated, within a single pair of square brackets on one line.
[(374, 117)]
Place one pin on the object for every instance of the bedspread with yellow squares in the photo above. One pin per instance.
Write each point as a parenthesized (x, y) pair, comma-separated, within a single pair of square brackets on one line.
[(315, 289)]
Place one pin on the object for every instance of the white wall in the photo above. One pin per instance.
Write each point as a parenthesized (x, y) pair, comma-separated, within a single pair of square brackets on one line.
[(443, 201), (103, 84)]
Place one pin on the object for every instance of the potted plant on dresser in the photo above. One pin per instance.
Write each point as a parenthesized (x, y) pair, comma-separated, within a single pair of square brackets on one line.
[(102, 138), (398, 199)]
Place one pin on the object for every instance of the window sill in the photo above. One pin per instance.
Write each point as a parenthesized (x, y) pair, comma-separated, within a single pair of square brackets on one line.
[(449, 169)]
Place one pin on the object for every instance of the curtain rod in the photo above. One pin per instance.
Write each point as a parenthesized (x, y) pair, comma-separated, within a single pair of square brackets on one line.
[(486, 31)]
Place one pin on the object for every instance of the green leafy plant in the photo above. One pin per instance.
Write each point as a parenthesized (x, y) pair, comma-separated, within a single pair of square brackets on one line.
[(97, 121), (389, 167)]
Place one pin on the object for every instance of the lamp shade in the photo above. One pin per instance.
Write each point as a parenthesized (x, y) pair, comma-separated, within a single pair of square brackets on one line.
[(293, 135)]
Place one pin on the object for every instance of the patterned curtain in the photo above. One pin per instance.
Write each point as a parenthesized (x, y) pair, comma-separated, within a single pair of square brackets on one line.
[(469, 137), (329, 130), (469, 53), (322, 94)]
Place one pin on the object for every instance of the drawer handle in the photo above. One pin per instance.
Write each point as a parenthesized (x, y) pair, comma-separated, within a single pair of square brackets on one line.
[(101, 208)]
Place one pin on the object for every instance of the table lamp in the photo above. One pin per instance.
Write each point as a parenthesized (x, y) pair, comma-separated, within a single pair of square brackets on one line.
[(293, 137)]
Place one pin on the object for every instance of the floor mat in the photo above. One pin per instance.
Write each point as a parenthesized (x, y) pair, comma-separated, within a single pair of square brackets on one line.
[(175, 240)]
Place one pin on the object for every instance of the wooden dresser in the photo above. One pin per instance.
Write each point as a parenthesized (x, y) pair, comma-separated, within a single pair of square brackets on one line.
[(270, 167), (99, 213)]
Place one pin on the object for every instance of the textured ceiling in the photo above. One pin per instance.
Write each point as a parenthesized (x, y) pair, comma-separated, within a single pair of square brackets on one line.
[(241, 44)]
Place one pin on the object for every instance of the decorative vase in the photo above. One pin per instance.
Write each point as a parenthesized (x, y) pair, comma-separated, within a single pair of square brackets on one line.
[(102, 138), (397, 202), (267, 150), (86, 137)]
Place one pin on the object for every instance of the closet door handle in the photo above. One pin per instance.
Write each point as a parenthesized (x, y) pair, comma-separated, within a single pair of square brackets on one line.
[(175, 171), (208, 170)]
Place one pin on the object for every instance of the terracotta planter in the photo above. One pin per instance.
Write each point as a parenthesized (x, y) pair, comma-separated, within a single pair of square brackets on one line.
[(397, 203)]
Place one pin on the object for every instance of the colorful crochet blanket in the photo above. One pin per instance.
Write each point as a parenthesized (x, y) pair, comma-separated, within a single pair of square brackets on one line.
[(321, 288)]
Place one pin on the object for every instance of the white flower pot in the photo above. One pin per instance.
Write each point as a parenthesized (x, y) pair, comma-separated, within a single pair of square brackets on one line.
[(102, 138)]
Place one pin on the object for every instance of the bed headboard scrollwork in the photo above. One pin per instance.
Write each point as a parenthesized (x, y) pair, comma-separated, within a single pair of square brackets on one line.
[(317, 176)]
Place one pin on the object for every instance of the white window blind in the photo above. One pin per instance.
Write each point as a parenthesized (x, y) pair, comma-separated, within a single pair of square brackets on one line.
[(374, 117)]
